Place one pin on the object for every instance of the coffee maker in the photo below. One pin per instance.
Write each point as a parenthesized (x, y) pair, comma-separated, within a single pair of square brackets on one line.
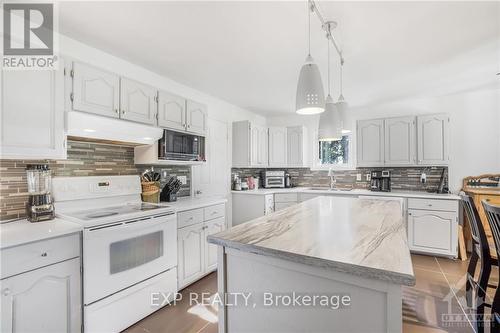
[(380, 181), (40, 206)]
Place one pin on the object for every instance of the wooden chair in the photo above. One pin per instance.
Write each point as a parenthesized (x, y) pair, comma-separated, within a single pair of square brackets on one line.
[(476, 289), (493, 216)]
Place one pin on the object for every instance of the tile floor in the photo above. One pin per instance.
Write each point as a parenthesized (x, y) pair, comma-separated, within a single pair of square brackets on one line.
[(440, 289)]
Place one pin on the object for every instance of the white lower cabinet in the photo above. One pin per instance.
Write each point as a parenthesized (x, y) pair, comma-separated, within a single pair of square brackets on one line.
[(196, 257), (212, 227), (191, 254), (433, 231), (46, 299), (249, 206)]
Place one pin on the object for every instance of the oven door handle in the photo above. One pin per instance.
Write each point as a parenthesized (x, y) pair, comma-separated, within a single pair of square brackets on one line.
[(140, 223)]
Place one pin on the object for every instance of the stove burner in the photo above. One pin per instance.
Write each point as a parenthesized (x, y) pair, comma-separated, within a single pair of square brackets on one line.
[(103, 214)]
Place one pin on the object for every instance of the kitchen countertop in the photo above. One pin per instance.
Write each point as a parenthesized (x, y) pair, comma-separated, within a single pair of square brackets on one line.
[(357, 236), (20, 232), (357, 192), (188, 203)]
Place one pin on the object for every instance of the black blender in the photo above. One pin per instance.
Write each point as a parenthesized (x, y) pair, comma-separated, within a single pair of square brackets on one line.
[(39, 206)]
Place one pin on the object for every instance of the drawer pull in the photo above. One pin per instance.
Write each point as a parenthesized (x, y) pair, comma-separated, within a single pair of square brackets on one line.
[(190, 219), (430, 205), (44, 254), (6, 292), (213, 213)]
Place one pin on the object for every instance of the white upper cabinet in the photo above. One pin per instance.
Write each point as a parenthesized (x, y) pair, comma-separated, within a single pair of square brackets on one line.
[(137, 102), (432, 134), (400, 145), (403, 141), (171, 111), (277, 147), (249, 145), (95, 90), (296, 148), (32, 115), (258, 147), (370, 138), (196, 115)]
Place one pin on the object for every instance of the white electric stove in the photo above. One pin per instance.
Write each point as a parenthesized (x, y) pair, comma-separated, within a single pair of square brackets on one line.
[(129, 247)]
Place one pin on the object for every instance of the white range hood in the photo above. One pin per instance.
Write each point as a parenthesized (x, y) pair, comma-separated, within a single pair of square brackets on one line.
[(85, 125)]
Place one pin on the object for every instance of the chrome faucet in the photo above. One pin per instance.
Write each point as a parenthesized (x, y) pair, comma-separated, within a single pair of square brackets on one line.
[(333, 181)]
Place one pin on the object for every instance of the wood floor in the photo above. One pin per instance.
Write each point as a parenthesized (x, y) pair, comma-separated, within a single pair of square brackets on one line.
[(435, 304)]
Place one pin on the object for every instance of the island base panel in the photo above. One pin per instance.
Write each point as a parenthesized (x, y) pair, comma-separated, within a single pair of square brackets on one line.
[(376, 306)]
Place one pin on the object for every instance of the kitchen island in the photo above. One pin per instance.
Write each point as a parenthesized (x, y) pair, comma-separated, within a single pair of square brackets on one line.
[(328, 264)]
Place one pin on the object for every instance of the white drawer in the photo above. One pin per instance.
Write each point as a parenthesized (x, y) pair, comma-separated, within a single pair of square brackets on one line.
[(30, 256), (214, 212), (433, 204), (189, 217), (285, 197)]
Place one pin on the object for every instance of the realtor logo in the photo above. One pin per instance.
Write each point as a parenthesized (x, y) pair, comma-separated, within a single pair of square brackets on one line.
[(29, 30)]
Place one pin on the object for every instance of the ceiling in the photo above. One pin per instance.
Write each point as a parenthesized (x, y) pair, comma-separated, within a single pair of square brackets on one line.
[(250, 53)]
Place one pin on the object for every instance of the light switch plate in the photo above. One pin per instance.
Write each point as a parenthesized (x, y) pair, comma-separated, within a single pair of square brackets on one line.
[(358, 177), (183, 179)]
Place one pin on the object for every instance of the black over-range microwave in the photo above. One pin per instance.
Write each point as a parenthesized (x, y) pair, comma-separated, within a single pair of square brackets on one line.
[(181, 146)]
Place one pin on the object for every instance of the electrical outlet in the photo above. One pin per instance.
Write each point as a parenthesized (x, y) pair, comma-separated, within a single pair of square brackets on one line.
[(423, 178), (183, 179), (358, 177), (368, 177)]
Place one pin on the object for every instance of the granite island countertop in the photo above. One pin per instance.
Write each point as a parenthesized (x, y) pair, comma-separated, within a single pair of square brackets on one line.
[(363, 237)]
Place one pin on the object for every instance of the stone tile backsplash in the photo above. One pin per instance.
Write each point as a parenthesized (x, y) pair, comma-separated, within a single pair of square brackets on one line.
[(402, 179), (84, 159)]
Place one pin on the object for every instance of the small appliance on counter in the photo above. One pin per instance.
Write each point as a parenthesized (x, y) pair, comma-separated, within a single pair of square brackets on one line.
[(236, 183), (380, 181), (288, 181), (169, 192), (273, 179), (40, 206)]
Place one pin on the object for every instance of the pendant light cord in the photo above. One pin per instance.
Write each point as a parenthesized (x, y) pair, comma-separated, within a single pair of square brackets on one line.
[(309, 25), (328, 47), (341, 74)]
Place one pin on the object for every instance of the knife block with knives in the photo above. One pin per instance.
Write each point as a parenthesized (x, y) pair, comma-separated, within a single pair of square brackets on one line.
[(169, 191)]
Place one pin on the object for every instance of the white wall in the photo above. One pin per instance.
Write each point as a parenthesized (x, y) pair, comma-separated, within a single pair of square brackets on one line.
[(475, 127)]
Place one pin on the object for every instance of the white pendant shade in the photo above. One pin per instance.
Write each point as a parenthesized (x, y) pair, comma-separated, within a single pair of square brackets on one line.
[(310, 98), (329, 122), (342, 107)]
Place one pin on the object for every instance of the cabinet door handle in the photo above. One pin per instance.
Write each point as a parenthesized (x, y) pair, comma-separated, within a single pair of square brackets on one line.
[(123, 111), (6, 292), (116, 111), (44, 254)]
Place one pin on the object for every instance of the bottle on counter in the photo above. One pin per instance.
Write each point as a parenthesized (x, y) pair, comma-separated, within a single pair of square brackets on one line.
[(288, 180), (237, 183)]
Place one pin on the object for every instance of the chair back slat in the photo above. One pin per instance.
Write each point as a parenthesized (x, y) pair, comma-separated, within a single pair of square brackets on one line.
[(477, 229), (493, 216)]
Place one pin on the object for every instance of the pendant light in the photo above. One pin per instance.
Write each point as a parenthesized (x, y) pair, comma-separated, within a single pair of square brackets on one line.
[(310, 98), (330, 128), (341, 104)]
